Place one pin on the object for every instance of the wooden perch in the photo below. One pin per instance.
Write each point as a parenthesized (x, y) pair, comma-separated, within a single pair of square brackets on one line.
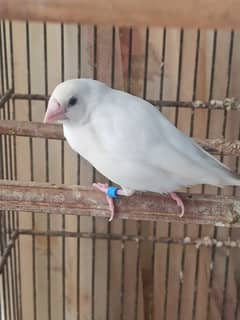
[(185, 13), (77, 200), (54, 131), (31, 129)]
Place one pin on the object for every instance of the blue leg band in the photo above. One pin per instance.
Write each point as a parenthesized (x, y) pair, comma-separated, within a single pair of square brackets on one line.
[(112, 192)]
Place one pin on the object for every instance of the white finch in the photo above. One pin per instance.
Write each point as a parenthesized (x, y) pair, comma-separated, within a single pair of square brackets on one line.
[(130, 142)]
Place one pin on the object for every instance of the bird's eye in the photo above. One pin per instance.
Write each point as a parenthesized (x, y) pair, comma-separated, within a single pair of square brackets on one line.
[(72, 101)]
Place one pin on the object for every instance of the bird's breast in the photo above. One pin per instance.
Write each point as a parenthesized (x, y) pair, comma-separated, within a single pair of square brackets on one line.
[(85, 141), (119, 168)]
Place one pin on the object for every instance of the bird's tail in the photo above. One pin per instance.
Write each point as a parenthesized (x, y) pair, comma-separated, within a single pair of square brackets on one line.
[(221, 174), (230, 179), (234, 181)]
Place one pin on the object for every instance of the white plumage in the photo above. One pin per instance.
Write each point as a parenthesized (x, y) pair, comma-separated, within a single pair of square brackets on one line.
[(130, 142)]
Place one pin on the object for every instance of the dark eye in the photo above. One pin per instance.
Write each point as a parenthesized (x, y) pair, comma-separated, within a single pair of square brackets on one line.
[(72, 101)]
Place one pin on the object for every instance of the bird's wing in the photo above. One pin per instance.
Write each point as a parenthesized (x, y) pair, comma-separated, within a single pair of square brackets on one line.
[(131, 129)]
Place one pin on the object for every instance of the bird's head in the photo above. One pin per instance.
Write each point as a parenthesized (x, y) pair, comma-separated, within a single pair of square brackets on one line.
[(72, 100)]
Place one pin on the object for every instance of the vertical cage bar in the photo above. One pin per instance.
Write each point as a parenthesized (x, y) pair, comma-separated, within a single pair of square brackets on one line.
[(13, 289), (151, 309), (62, 181), (79, 50), (1, 308), (13, 101), (95, 74), (63, 270), (8, 311), (196, 277), (162, 67), (123, 243), (145, 75), (180, 279), (79, 47), (1, 62), (29, 89), (7, 287), (15, 271), (49, 286), (229, 72), (122, 288), (122, 271), (176, 124), (19, 272), (209, 113), (2, 275), (1, 152), (8, 138), (45, 51), (179, 74), (108, 271), (167, 274), (213, 253), (212, 75), (195, 79), (237, 309), (113, 56), (3, 87), (79, 34), (5, 236), (139, 225), (78, 269), (130, 59), (13, 176), (5, 311), (5, 54), (162, 74), (10, 166), (191, 134), (12, 56), (213, 249), (16, 215)]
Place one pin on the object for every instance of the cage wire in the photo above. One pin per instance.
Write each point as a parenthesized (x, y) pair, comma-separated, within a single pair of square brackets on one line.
[(59, 266)]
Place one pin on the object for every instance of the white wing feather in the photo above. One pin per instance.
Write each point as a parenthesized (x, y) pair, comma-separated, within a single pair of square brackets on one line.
[(134, 145)]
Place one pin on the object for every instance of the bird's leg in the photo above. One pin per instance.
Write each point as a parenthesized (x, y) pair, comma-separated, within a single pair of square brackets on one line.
[(179, 202), (103, 187), (111, 193)]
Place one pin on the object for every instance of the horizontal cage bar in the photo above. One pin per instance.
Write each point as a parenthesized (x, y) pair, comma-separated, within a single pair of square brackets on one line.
[(203, 13), (54, 131)]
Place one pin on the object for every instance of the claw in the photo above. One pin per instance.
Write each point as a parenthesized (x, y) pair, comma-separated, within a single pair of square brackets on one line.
[(111, 207), (179, 202), (103, 188)]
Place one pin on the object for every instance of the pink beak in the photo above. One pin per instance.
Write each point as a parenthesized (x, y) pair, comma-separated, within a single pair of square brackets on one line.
[(55, 111)]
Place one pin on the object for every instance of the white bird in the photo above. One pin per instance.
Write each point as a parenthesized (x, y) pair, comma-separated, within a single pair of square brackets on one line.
[(130, 142)]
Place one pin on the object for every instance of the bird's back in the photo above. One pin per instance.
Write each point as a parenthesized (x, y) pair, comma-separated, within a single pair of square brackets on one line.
[(133, 144)]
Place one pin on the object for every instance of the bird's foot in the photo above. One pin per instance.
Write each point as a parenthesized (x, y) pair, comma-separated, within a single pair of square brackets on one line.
[(111, 193), (179, 202)]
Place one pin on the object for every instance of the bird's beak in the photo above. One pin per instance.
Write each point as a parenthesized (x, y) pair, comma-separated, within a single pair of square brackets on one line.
[(55, 111)]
